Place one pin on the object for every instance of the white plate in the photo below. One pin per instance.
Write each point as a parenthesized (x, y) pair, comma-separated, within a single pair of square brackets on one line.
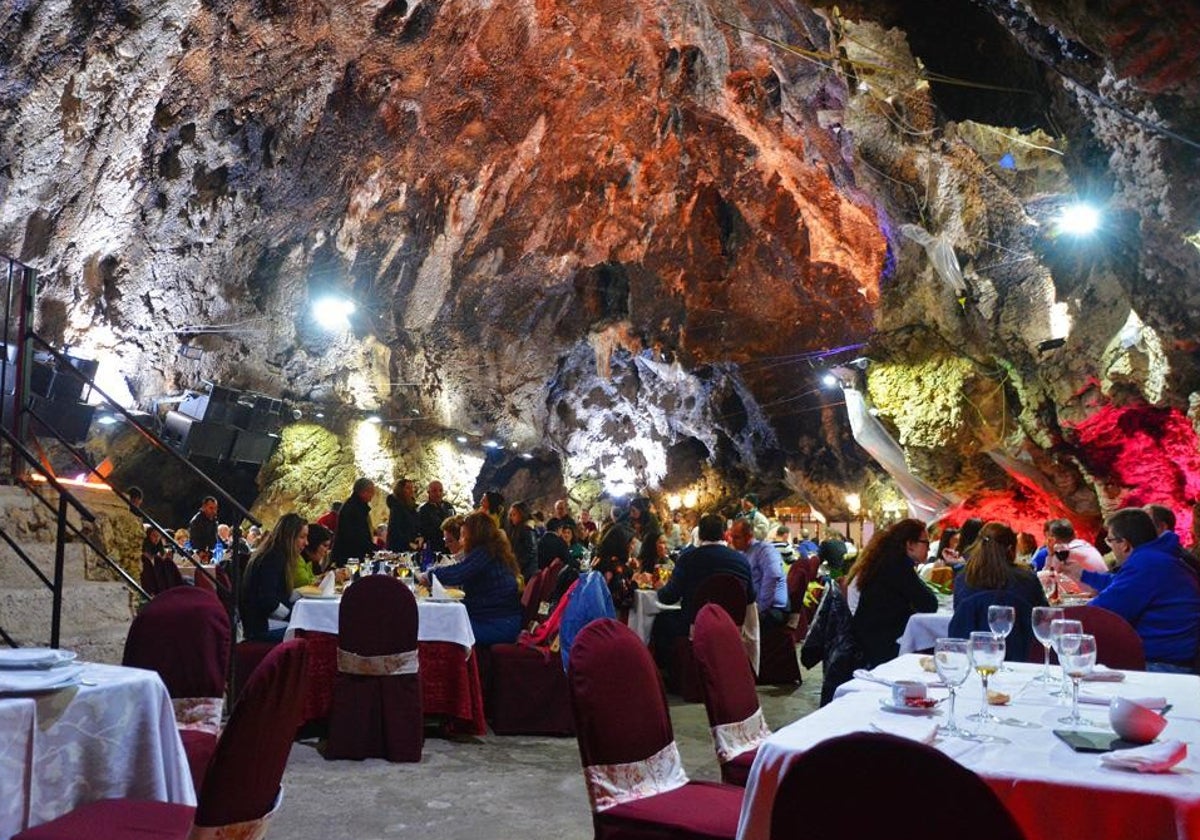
[(886, 704), (308, 597), (27, 658), (29, 682)]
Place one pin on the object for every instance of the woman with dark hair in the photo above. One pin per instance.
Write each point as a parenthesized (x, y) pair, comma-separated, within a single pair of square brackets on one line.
[(316, 553), (521, 537), (492, 504), (271, 578), (612, 560), (990, 567), (968, 534), (642, 520), (884, 590), (488, 576), (653, 552)]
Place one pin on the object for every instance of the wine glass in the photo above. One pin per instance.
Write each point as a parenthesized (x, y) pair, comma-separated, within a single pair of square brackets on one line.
[(1078, 659), (1000, 622), (1058, 628), (987, 655), (952, 659), (1042, 617)]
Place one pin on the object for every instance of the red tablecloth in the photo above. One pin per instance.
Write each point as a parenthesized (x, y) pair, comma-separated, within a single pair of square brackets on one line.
[(450, 685)]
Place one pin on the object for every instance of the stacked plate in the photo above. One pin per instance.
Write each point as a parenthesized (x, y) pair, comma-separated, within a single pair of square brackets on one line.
[(25, 670)]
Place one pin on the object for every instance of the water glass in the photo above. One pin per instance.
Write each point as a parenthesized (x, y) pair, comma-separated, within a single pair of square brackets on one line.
[(1042, 617), (987, 655), (1078, 659), (952, 659), (1001, 619), (1058, 628)]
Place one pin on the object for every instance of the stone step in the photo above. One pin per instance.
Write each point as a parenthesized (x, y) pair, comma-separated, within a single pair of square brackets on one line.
[(14, 572)]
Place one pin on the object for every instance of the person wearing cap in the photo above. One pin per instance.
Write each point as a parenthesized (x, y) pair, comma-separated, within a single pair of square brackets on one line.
[(751, 512)]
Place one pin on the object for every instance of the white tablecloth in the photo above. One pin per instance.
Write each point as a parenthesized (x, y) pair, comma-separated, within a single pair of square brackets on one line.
[(645, 607), (436, 622), (923, 629), (1034, 768), (63, 749)]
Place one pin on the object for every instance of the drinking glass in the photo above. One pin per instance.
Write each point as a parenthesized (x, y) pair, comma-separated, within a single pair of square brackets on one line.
[(1042, 617), (952, 658), (1000, 622), (1078, 659), (1058, 628), (987, 655)]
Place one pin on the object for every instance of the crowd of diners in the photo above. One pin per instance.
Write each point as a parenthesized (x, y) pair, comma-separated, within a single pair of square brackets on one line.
[(1138, 567)]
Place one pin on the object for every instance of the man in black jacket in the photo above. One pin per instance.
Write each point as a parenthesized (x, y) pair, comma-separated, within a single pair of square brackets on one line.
[(434, 512), (354, 536), (202, 530)]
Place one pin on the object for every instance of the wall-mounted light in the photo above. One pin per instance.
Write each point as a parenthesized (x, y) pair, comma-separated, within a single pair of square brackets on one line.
[(320, 415), (461, 438), (690, 499), (107, 420), (527, 456), (491, 444), (829, 380), (854, 503), (333, 313), (375, 419)]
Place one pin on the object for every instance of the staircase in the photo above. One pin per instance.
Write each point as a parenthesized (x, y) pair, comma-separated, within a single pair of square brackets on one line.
[(97, 609)]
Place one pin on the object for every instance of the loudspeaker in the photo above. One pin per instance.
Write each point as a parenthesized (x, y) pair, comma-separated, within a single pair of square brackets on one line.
[(253, 447), (70, 419), (214, 407), (267, 416), (48, 377), (193, 437)]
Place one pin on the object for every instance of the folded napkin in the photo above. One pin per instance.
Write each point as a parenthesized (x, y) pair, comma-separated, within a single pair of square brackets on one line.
[(1103, 674), (327, 584), (923, 730), (1155, 703), (864, 674), (436, 591), (1152, 758)]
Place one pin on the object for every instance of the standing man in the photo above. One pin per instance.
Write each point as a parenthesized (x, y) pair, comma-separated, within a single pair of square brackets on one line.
[(202, 530), (562, 514), (766, 574), (355, 536), (433, 513), (404, 523), (751, 512), (806, 547)]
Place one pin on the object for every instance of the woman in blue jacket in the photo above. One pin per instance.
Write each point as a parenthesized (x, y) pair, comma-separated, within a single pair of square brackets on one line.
[(488, 576)]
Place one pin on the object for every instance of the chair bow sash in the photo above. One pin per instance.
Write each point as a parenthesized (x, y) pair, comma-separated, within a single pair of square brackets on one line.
[(248, 830), (200, 713), (612, 784), (387, 665), (733, 739)]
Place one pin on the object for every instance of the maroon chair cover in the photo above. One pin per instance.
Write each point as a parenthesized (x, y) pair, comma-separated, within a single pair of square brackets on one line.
[(377, 715), (611, 672), (183, 634), (870, 798), (1117, 644), (729, 593), (167, 574), (727, 682), (246, 769), (148, 579), (529, 692), (246, 658)]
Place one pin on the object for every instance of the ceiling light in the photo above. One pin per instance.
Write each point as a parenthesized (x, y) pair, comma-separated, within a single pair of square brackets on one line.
[(374, 418), (491, 444), (333, 313), (461, 438), (829, 380), (320, 415), (528, 456), (107, 420), (1078, 219)]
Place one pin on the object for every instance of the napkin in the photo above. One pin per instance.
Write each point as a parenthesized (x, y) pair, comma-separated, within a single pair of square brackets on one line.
[(436, 591), (1152, 758), (864, 674), (327, 583), (915, 729), (1103, 674), (1104, 699)]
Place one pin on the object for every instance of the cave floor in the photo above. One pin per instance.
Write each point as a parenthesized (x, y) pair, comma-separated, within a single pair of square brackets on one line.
[(489, 788)]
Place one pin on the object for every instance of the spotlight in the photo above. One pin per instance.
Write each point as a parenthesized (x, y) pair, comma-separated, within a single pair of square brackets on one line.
[(333, 313), (491, 444), (528, 456), (297, 414), (829, 380), (461, 438), (374, 418), (1078, 219), (320, 415), (107, 420)]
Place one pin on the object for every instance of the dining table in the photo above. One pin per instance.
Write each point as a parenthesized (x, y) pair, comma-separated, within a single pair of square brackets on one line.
[(645, 607), (450, 684), (108, 733), (1053, 792)]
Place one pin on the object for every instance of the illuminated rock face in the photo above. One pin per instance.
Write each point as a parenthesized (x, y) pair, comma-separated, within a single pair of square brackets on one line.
[(617, 235)]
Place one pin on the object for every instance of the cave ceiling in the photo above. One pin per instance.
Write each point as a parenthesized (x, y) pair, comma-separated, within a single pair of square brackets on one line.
[(631, 237)]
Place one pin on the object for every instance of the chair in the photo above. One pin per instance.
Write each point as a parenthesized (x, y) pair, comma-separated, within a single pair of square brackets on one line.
[(376, 711), (734, 713), (877, 803), (1117, 644), (972, 615), (635, 781), (242, 785), (779, 664), (167, 575), (528, 691), (727, 591), (183, 634)]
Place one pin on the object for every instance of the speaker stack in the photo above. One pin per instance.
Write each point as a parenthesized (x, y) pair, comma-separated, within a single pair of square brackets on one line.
[(57, 398), (225, 425)]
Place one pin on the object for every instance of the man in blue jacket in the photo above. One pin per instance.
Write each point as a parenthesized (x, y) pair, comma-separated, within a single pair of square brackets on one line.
[(1154, 590)]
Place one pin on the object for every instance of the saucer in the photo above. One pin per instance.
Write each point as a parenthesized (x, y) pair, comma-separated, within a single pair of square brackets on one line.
[(887, 705)]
